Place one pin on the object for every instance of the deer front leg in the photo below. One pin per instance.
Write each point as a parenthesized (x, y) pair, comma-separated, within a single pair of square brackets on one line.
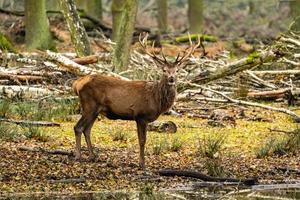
[(142, 132)]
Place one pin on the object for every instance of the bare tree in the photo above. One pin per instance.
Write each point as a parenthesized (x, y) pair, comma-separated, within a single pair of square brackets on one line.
[(37, 34)]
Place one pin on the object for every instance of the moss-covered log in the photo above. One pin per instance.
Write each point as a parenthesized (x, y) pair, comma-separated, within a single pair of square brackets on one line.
[(249, 62), (78, 33), (124, 35), (38, 34), (194, 37)]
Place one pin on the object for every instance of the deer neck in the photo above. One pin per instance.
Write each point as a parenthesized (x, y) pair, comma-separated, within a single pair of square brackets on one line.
[(167, 94)]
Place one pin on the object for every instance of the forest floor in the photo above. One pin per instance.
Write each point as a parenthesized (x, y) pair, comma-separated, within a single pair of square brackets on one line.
[(116, 146)]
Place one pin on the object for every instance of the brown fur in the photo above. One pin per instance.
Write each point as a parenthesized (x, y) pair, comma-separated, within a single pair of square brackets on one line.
[(142, 101)]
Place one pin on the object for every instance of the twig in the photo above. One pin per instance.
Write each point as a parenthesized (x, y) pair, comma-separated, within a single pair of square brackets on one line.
[(31, 123)]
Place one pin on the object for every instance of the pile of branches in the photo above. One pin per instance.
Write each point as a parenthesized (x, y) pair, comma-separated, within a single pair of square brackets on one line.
[(270, 73)]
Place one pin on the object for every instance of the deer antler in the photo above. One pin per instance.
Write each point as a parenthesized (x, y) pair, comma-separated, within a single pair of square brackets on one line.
[(180, 60), (153, 56)]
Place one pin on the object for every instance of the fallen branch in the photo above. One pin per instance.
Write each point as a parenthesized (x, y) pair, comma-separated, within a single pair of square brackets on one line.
[(55, 152), (30, 123), (68, 180), (198, 175), (247, 103)]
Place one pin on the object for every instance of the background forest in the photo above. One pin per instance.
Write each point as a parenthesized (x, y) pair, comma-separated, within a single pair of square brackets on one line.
[(232, 132)]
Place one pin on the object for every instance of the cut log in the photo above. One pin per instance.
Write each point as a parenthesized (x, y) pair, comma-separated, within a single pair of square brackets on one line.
[(30, 123), (198, 175), (86, 60)]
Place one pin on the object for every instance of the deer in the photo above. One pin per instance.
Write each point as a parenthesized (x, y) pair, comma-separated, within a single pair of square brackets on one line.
[(138, 100)]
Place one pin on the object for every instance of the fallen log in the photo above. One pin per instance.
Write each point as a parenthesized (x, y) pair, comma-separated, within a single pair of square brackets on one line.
[(75, 68), (254, 104), (22, 78), (198, 175), (24, 92), (30, 123), (232, 68), (55, 152), (276, 72)]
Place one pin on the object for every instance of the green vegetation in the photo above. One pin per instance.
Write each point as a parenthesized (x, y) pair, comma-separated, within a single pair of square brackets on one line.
[(211, 145), (5, 44)]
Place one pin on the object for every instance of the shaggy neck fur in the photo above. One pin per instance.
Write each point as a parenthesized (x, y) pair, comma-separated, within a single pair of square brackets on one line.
[(166, 94)]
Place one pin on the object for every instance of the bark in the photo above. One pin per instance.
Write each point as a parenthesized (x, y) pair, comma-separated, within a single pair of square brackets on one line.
[(195, 15), (295, 14), (78, 33), (162, 15), (117, 8), (124, 35), (37, 30), (94, 8)]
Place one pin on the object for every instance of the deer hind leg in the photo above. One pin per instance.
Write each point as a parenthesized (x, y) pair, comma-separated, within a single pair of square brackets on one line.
[(87, 134), (142, 131)]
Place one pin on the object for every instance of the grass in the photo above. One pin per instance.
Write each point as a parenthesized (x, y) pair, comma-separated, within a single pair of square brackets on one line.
[(211, 145), (280, 145), (9, 132)]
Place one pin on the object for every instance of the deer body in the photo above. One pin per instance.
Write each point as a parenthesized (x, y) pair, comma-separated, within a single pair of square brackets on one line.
[(142, 101)]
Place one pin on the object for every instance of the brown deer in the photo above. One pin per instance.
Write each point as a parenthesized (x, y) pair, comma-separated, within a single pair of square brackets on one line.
[(141, 101)]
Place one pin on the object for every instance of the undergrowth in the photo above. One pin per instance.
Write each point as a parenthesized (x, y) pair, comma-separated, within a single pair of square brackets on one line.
[(280, 146)]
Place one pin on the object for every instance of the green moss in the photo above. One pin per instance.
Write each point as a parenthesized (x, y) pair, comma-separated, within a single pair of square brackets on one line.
[(252, 56), (5, 44)]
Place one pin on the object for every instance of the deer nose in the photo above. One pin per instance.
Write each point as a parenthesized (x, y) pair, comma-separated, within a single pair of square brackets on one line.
[(171, 79)]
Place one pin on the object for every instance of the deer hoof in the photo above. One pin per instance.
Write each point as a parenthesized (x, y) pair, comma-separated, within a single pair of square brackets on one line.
[(78, 158), (92, 158)]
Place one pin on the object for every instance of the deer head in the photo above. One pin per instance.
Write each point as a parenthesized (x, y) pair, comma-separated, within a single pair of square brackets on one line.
[(170, 68)]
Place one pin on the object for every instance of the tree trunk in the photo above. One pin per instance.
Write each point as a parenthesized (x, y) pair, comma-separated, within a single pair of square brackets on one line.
[(295, 13), (52, 5), (94, 8), (78, 34), (124, 35), (117, 7), (195, 14), (162, 15), (38, 34), (80, 4)]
